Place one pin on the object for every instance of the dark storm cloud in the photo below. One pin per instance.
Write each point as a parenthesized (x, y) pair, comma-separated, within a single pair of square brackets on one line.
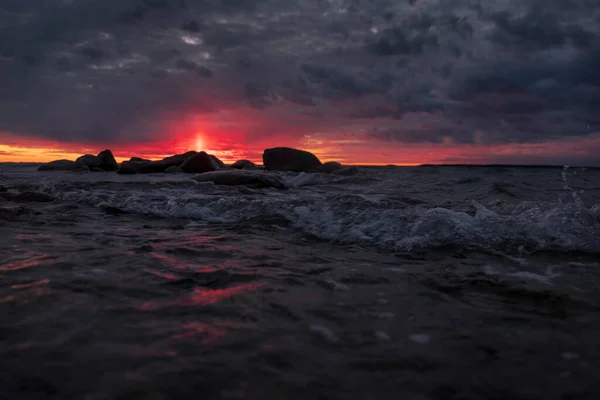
[(417, 71)]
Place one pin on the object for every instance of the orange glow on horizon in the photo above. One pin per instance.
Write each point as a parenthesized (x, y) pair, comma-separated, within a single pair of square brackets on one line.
[(354, 152)]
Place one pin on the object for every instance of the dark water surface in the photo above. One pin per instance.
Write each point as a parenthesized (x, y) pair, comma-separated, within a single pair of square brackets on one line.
[(416, 283)]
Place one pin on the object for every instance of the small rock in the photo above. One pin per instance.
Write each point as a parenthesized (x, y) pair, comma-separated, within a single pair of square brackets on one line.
[(330, 167), (243, 164), (347, 171), (63, 165), (3, 189), (241, 177)]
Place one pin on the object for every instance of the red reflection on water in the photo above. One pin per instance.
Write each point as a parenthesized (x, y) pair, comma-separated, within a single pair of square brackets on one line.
[(207, 333), (31, 284), (27, 260), (202, 296), (170, 261)]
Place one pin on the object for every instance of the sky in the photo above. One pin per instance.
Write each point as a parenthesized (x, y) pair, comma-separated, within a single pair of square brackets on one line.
[(357, 81)]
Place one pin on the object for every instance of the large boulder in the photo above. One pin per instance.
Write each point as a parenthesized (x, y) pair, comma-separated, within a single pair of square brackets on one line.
[(330, 166), (138, 160), (243, 164), (89, 161), (63, 165), (288, 159), (199, 162), (238, 177), (107, 161)]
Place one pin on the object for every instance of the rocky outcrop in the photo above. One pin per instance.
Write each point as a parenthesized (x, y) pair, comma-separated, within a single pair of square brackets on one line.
[(26, 197), (330, 167), (199, 163), (288, 159), (243, 164), (63, 165), (107, 161), (239, 177), (177, 159)]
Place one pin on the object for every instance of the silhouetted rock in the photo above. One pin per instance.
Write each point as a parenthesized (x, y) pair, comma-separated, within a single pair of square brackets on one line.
[(107, 161), (243, 164), (346, 171), (218, 162), (288, 159), (200, 162), (177, 159), (138, 160), (97, 169), (26, 197), (128, 168), (238, 177), (173, 170), (63, 165), (330, 167), (89, 161)]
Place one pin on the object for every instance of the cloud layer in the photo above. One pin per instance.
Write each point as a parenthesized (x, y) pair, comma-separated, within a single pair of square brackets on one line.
[(415, 71)]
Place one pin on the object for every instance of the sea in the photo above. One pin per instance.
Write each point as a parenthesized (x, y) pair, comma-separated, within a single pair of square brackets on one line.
[(431, 282)]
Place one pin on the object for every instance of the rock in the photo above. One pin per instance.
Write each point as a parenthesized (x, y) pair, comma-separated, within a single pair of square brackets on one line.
[(97, 169), (243, 164), (107, 161), (89, 161), (346, 171), (173, 170), (330, 167), (26, 197), (3, 189), (199, 162), (128, 168), (239, 177), (63, 165), (177, 159), (288, 159), (218, 162), (139, 160)]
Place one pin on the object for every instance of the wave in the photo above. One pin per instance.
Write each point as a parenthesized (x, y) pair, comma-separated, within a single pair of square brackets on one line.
[(355, 218)]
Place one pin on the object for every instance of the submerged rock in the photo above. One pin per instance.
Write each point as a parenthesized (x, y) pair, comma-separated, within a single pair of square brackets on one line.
[(241, 177), (243, 164), (346, 171), (199, 163), (330, 167), (63, 165), (107, 161), (288, 159), (27, 197)]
